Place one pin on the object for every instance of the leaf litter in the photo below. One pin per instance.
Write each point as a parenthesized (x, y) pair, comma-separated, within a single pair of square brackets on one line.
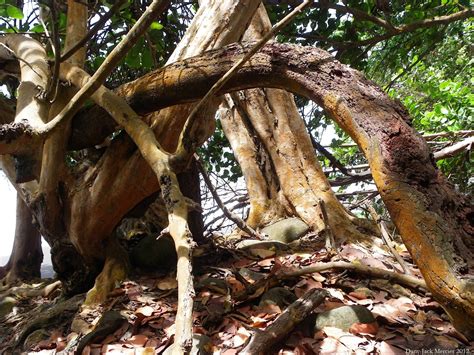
[(405, 319)]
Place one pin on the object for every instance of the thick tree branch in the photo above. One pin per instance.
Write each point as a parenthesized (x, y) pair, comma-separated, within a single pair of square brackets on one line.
[(34, 79), (185, 139), (175, 202), (151, 13)]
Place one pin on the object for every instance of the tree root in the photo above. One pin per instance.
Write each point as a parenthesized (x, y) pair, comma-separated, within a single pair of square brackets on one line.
[(47, 318), (115, 270), (273, 279), (263, 341)]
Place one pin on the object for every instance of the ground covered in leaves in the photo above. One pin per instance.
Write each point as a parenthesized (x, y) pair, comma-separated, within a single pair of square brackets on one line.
[(236, 297)]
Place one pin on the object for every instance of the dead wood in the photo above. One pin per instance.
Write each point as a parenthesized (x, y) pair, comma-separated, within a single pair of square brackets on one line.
[(262, 342)]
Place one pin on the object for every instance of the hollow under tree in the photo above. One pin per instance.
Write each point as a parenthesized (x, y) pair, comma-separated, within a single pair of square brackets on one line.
[(433, 220)]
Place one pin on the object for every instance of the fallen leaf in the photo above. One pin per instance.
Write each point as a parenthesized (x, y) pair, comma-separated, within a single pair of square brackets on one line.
[(241, 337), (364, 328), (146, 311), (138, 340)]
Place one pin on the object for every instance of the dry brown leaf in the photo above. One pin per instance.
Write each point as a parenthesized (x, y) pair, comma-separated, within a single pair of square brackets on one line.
[(146, 311), (364, 328), (138, 340)]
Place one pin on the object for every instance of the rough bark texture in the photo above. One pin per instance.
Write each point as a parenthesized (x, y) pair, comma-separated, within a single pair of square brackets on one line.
[(433, 220), (431, 217), (26, 257)]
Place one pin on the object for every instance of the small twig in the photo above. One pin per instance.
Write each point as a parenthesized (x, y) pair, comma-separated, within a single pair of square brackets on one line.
[(232, 216), (386, 237), (183, 145), (368, 197)]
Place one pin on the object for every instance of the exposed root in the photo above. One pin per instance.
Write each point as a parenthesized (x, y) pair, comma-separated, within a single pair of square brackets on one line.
[(263, 341), (47, 318), (114, 271)]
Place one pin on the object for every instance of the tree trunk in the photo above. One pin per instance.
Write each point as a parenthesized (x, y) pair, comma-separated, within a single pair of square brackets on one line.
[(293, 182), (432, 218), (26, 257)]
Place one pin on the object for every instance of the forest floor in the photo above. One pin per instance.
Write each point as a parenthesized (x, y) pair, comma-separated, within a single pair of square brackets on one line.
[(232, 303)]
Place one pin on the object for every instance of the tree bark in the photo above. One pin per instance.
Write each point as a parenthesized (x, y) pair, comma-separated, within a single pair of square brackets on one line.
[(26, 257), (432, 219)]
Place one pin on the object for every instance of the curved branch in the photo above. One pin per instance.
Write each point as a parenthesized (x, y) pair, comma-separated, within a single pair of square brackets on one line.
[(465, 145), (399, 158), (34, 78)]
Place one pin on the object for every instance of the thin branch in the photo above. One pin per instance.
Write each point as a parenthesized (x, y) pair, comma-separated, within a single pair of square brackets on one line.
[(428, 50), (183, 145), (232, 216), (386, 237), (377, 273), (330, 241), (98, 26), (465, 145), (52, 90), (358, 14), (467, 133), (394, 31), (332, 159), (152, 12)]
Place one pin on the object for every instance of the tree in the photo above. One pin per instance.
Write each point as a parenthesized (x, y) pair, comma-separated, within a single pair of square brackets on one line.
[(138, 138)]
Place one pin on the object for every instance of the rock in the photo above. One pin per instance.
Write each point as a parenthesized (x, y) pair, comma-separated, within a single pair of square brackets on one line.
[(34, 338), (286, 230), (279, 296), (344, 317), (152, 254), (213, 283), (6, 306), (262, 248), (202, 345)]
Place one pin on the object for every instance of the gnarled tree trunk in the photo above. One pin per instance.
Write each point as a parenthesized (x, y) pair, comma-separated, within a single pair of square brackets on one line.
[(432, 218)]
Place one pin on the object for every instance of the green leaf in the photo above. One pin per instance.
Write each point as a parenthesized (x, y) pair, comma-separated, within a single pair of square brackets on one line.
[(37, 29), (156, 26), (14, 12)]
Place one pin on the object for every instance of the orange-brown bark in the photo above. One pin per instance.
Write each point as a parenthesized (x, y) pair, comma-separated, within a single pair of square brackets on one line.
[(429, 214)]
